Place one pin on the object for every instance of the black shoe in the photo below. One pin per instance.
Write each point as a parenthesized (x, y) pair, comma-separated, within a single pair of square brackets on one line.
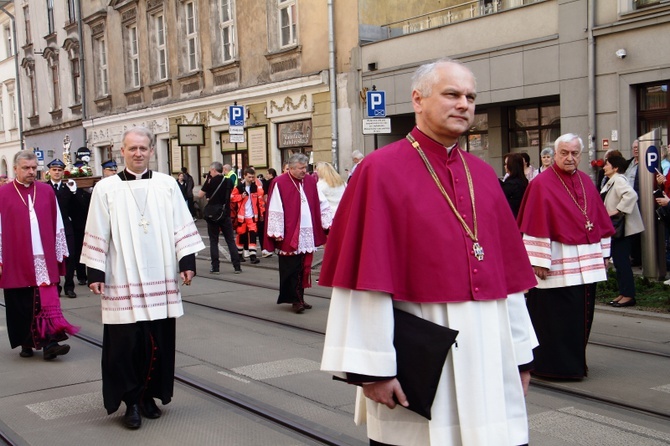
[(82, 282), (630, 303), (238, 270), (214, 270), (298, 307), (242, 259), (26, 352), (132, 418), (60, 289), (55, 349), (254, 260), (71, 294), (306, 305), (149, 409)]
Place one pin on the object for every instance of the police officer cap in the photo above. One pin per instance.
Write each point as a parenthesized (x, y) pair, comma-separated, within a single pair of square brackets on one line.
[(56, 163), (79, 164), (111, 164), (82, 152)]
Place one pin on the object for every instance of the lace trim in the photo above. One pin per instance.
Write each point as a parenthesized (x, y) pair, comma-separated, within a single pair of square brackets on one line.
[(41, 270), (275, 224)]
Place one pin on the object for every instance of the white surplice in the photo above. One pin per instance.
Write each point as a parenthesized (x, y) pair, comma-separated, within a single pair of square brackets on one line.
[(141, 268), (479, 399)]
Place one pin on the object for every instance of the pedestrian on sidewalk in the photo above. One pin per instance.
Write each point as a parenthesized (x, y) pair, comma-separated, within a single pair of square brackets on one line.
[(33, 254), (298, 220), (140, 241), (247, 202), (217, 189)]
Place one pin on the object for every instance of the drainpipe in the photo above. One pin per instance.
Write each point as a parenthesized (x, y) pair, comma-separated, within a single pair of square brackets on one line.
[(18, 80), (591, 61), (82, 71), (333, 84)]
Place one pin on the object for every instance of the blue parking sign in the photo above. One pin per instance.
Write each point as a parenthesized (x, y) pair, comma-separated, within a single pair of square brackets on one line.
[(376, 101), (236, 115), (40, 155)]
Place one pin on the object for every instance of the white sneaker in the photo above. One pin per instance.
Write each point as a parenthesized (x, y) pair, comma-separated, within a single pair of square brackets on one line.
[(266, 253)]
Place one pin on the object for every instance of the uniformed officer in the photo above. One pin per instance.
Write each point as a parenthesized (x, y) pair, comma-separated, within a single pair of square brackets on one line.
[(109, 168), (65, 192)]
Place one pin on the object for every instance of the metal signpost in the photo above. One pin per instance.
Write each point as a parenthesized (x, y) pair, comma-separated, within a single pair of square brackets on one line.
[(377, 121), (236, 127), (653, 236)]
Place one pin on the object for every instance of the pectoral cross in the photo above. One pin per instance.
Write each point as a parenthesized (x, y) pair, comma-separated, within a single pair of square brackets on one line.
[(588, 225), (144, 223)]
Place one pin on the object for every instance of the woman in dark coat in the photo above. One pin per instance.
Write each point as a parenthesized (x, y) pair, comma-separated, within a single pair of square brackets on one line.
[(515, 182)]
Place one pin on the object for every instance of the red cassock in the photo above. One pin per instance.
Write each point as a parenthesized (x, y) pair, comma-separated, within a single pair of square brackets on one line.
[(394, 231)]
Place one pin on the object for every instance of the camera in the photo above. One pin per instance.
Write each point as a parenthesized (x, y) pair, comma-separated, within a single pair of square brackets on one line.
[(621, 54), (658, 193)]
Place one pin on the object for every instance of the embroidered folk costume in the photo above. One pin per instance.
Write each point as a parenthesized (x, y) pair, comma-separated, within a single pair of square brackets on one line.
[(472, 280), (567, 230), (139, 235), (33, 252)]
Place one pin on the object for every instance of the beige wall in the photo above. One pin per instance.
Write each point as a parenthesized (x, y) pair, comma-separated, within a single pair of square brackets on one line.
[(381, 12)]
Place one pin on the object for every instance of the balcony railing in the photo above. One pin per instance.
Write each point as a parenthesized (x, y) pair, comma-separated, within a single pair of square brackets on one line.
[(445, 16)]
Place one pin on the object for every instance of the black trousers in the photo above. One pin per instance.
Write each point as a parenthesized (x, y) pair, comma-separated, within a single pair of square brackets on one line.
[(290, 279), (70, 264), (562, 319), (621, 248), (138, 361), (21, 307), (80, 268), (224, 226)]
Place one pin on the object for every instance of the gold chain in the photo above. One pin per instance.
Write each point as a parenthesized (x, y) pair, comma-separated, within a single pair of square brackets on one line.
[(302, 199), (21, 196), (588, 225), (472, 233)]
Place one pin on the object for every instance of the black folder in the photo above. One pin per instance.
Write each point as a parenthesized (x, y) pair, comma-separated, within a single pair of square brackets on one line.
[(421, 351)]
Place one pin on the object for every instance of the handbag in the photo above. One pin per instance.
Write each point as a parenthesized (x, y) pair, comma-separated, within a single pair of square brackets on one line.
[(619, 223), (421, 351), (215, 212)]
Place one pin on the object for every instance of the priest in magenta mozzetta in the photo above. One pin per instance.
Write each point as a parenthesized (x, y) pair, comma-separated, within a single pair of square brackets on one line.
[(443, 247)]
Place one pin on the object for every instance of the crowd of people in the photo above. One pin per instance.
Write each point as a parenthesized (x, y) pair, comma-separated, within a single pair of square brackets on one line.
[(522, 255)]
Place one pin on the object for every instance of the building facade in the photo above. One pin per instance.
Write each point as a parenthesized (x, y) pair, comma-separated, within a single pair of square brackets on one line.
[(10, 141), (51, 84), (177, 66), (543, 68)]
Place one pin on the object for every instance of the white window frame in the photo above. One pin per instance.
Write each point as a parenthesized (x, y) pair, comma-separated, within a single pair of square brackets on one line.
[(33, 91), (2, 115), (54, 71), (26, 24), (12, 106), (103, 71), (287, 18), (9, 39), (76, 74), (161, 48), (227, 26), (51, 23), (190, 15), (134, 56)]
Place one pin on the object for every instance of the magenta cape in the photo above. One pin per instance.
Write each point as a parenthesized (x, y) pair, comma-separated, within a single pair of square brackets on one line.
[(18, 268), (290, 198), (394, 231), (547, 211)]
